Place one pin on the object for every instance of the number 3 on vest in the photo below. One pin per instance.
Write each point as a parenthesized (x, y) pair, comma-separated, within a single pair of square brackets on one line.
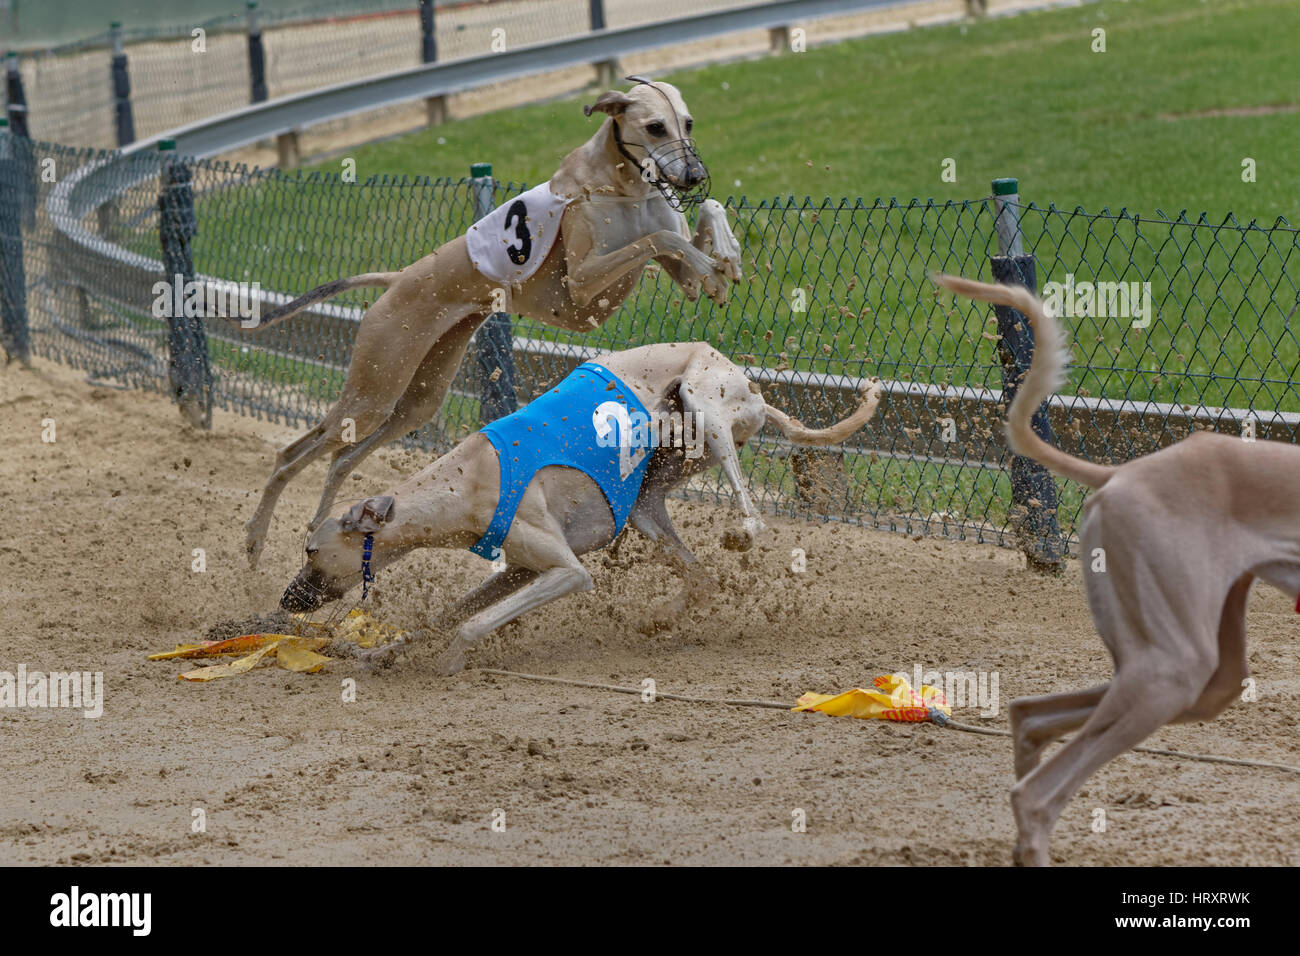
[(517, 228)]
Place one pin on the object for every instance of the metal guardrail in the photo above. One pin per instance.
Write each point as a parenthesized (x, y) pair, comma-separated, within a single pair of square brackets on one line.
[(300, 111)]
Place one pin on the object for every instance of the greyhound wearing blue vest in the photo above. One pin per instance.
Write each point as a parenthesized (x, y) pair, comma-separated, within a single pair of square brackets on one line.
[(536, 493)]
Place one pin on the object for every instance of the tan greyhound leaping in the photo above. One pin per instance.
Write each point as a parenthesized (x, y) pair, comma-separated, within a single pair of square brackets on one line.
[(623, 187), (1171, 544)]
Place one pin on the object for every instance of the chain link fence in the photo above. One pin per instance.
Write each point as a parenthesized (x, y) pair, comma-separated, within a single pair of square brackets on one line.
[(1177, 322)]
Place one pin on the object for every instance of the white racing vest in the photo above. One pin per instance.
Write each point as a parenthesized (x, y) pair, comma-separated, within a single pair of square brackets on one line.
[(511, 242)]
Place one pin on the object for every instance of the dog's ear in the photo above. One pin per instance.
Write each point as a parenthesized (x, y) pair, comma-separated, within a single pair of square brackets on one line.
[(367, 516), (611, 101)]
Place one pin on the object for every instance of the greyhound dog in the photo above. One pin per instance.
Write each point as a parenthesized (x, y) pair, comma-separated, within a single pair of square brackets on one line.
[(571, 251), (1172, 544), (562, 512)]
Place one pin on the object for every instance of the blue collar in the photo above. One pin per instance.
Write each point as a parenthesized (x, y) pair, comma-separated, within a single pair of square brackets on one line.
[(367, 575)]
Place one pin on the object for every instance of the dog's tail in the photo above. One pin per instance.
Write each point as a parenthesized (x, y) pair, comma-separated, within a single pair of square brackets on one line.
[(326, 291), (1047, 373), (801, 434)]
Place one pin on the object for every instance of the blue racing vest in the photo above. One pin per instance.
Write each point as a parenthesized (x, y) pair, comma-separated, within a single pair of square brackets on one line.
[(591, 421)]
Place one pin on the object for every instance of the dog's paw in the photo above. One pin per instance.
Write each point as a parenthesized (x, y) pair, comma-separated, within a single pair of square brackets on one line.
[(451, 661), (662, 617), (381, 657), (716, 287), (700, 590), (253, 545), (743, 539), (726, 264), (721, 241), (737, 539), (1024, 855)]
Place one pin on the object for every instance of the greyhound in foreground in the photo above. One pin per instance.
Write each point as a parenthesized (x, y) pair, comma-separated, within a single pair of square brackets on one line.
[(566, 253), (1171, 545), (561, 512)]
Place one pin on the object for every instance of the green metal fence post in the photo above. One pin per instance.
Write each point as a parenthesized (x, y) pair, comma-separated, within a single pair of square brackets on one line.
[(1033, 489), (20, 128)]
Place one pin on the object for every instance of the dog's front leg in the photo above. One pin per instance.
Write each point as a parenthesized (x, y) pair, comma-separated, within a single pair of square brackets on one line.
[(550, 585), (496, 587), (715, 424), (589, 275), (713, 237), (493, 589), (685, 279)]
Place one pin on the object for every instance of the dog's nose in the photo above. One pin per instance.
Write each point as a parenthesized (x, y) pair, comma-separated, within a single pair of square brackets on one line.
[(694, 174)]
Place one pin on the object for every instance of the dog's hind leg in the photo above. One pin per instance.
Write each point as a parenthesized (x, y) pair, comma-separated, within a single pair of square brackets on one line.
[(420, 402), (1038, 721), (700, 588), (1225, 685), (290, 460), (1166, 650), (1138, 702), (650, 517), (385, 356)]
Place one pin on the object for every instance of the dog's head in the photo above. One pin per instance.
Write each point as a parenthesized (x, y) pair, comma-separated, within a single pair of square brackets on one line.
[(334, 555), (652, 122)]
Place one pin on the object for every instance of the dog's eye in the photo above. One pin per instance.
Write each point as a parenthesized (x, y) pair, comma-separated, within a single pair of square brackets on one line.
[(656, 129), (312, 551), (690, 125)]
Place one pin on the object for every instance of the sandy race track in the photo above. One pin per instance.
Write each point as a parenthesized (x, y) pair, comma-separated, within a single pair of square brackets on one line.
[(95, 574)]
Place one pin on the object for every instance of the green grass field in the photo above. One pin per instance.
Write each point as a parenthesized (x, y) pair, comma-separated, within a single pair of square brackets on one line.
[(813, 147), (1025, 96)]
